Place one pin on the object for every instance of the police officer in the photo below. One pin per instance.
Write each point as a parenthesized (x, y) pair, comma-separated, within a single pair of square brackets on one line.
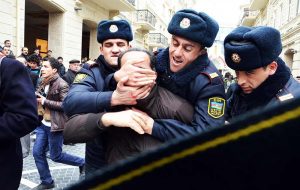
[(184, 69), (263, 79), (89, 94)]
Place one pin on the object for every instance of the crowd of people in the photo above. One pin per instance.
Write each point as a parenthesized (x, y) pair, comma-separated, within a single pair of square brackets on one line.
[(131, 100)]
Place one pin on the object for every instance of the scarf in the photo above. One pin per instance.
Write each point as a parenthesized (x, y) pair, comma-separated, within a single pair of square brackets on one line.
[(106, 69), (184, 76), (43, 110)]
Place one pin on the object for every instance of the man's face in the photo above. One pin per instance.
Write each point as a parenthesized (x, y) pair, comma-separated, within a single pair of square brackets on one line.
[(37, 51), (138, 55), (8, 44), (47, 70), (32, 65), (25, 51), (60, 61), (250, 80), (112, 48), (182, 52), (5, 50), (74, 67)]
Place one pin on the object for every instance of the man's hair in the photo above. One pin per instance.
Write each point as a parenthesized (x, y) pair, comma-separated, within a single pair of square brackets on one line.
[(60, 58), (151, 56), (53, 62), (23, 48), (6, 41), (34, 58)]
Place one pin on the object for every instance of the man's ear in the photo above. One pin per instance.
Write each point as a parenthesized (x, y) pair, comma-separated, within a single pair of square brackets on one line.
[(101, 49), (272, 67)]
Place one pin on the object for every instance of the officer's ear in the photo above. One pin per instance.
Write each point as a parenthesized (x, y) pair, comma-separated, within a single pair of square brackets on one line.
[(272, 67)]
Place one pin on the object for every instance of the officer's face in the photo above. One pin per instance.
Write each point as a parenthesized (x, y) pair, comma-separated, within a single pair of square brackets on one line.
[(47, 70), (112, 48), (182, 52), (250, 80)]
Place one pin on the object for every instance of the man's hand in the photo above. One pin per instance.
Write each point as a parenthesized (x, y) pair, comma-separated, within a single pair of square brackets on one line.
[(127, 95), (147, 119), (40, 100), (128, 118), (136, 76)]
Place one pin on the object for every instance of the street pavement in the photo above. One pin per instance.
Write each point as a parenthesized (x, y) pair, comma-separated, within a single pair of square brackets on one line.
[(63, 174)]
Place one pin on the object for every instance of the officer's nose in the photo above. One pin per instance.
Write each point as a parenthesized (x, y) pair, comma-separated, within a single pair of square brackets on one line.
[(241, 78), (178, 51), (115, 48)]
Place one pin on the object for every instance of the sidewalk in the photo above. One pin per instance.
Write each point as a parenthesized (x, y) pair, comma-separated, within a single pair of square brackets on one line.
[(63, 174)]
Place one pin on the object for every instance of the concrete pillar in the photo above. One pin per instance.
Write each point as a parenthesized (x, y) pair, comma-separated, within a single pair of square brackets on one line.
[(55, 34), (296, 59), (94, 45), (20, 26)]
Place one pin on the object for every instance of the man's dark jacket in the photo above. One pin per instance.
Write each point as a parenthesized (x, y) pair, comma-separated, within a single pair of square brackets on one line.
[(18, 117)]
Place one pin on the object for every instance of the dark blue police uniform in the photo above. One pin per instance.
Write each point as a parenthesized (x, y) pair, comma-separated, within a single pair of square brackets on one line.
[(201, 84), (250, 48), (18, 117), (88, 95)]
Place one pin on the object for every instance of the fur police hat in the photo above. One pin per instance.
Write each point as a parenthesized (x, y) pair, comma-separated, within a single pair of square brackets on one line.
[(194, 26), (248, 48), (113, 29)]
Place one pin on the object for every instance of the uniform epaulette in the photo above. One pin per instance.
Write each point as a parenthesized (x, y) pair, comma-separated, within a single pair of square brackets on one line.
[(211, 76)]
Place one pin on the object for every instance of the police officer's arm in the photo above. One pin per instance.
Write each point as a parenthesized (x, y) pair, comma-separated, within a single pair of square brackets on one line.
[(208, 113), (18, 102), (86, 94), (136, 76)]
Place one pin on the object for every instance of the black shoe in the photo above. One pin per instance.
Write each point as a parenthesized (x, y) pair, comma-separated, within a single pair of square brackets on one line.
[(82, 170), (44, 186)]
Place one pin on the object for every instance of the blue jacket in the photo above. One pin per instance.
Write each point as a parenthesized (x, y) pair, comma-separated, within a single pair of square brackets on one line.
[(201, 84), (88, 93), (18, 117), (278, 88)]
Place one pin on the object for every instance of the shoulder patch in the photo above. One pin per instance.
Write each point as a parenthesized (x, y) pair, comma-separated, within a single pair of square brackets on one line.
[(286, 97), (213, 75), (216, 107), (80, 77)]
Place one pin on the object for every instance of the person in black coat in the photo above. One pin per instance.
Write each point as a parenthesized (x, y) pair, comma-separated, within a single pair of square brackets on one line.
[(74, 67), (18, 117)]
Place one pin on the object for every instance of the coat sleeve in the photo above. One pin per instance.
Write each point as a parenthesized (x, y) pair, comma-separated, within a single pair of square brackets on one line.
[(205, 117), (18, 102), (87, 94), (85, 126)]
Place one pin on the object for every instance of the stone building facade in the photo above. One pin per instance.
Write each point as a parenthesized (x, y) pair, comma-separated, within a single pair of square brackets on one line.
[(69, 27), (283, 15)]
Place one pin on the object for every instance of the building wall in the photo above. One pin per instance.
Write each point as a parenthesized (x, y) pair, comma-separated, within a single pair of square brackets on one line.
[(66, 18), (285, 16)]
